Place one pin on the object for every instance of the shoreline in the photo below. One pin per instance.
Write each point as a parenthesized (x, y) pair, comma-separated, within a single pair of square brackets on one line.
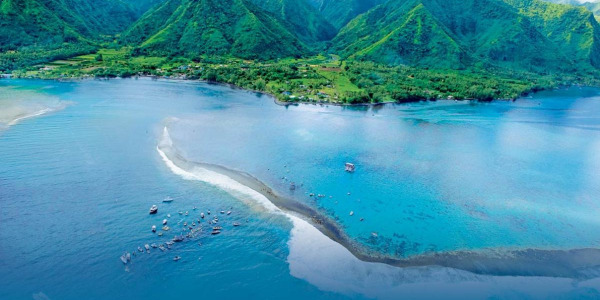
[(581, 263), (283, 103)]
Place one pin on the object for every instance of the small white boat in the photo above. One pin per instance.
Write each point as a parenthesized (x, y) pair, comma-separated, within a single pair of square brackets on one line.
[(153, 228), (236, 224), (154, 246), (168, 200), (202, 215), (215, 232), (147, 247), (124, 259), (350, 168), (351, 213), (128, 256), (176, 258), (153, 209), (228, 212), (140, 249), (164, 221)]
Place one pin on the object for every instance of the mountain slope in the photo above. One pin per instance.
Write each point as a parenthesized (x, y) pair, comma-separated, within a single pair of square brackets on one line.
[(459, 33), (212, 27), (340, 12), (303, 19), (574, 29), (51, 22)]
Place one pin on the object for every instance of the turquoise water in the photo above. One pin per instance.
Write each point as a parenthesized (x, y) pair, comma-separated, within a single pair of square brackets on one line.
[(77, 180)]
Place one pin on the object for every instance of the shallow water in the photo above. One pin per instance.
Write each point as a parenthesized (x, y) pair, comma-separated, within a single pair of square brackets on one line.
[(76, 185)]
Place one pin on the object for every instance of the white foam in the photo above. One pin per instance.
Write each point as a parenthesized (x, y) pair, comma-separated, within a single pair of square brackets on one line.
[(28, 116), (221, 181), (324, 263)]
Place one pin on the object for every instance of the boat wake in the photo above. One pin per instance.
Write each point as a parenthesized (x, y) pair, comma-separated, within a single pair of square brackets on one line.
[(321, 253)]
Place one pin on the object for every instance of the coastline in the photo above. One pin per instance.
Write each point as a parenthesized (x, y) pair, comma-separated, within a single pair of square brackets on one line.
[(284, 103), (575, 263)]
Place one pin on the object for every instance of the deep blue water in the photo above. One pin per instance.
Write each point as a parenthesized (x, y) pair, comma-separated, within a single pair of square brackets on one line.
[(76, 185)]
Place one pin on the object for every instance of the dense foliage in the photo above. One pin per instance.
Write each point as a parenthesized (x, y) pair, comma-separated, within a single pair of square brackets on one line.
[(193, 28), (394, 50), (517, 34)]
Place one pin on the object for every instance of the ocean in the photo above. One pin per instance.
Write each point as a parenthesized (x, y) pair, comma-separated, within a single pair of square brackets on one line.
[(477, 184)]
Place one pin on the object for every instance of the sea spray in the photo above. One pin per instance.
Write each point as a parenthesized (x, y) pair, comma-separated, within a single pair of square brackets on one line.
[(319, 260), (196, 172)]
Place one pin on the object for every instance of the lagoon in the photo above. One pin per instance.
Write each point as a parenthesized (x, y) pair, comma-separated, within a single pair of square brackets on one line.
[(450, 177)]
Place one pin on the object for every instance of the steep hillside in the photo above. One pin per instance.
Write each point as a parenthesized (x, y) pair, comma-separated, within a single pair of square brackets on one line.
[(340, 12), (457, 33), (301, 18), (213, 27), (51, 22), (574, 29)]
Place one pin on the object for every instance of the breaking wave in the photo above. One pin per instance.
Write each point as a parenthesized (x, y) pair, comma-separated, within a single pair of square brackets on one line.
[(322, 255)]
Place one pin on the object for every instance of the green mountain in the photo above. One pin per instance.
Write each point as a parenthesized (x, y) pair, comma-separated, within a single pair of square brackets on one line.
[(517, 34), (300, 18), (340, 12), (593, 6), (213, 27), (142, 6), (574, 30)]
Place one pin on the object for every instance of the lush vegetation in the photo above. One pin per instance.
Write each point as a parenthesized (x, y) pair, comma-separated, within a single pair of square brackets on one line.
[(526, 35), (318, 79), (213, 27), (399, 50), (340, 12)]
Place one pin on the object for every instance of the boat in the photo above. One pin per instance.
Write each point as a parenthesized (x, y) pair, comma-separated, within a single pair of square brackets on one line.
[(178, 238), (169, 243), (166, 228), (147, 247), (208, 212), (153, 209), (128, 256), (351, 213), (202, 215), (164, 221), (176, 258), (215, 232), (162, 248), (216, 228), (222, 212), (168, 200), (124, 259), (236, 224), (350, 168), (140, 249), (228, 212), (154, 246), (153, 228)]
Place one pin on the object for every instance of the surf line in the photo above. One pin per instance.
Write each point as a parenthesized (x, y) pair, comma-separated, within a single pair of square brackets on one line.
[(243, 186)]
